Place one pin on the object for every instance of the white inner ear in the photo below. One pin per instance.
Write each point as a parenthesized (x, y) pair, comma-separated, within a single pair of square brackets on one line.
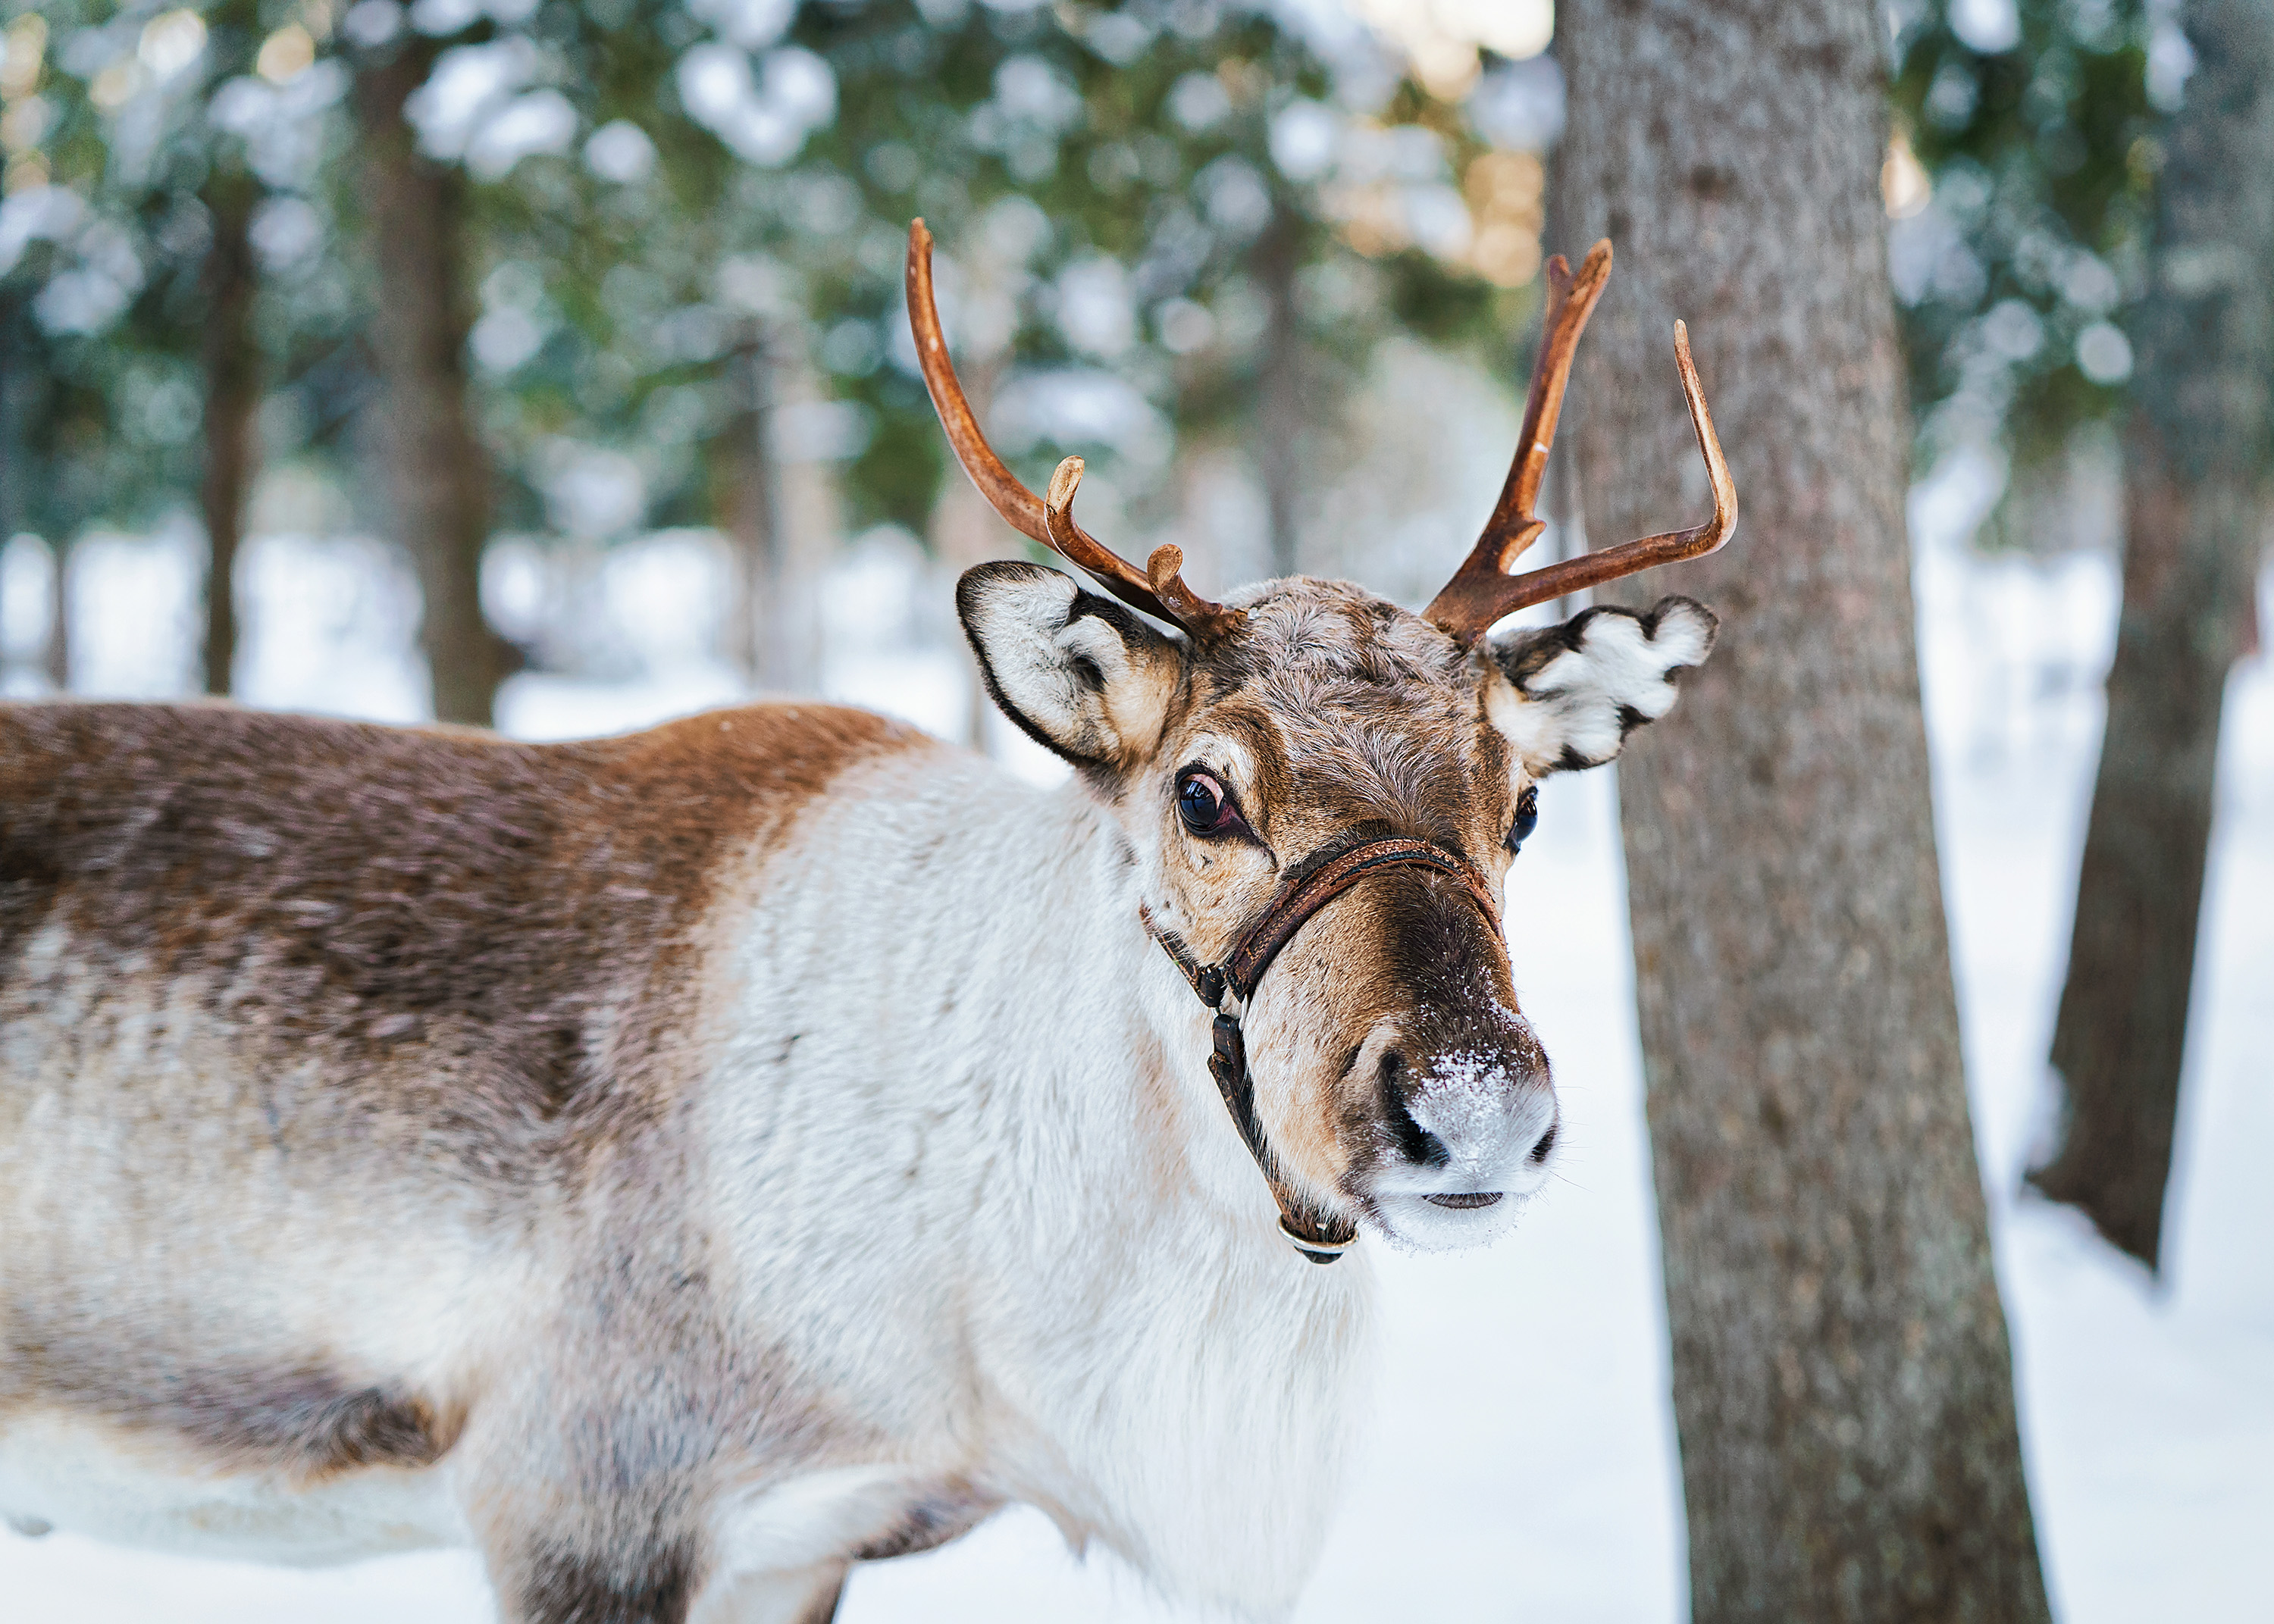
[(1022, 626), (1100, 643), (1573, 711), (1042, 662), (1525, 724)]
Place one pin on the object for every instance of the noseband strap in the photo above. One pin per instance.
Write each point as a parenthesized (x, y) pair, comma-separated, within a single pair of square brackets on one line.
[(1226, 987)]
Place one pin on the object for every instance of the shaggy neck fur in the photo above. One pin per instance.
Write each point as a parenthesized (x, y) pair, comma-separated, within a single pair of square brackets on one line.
[(1023, 1139)]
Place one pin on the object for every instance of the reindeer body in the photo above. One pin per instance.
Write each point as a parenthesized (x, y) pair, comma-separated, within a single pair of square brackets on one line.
[(698, 1158), (685, 1165)]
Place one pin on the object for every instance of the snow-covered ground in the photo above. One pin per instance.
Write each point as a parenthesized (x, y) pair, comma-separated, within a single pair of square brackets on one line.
[(1521, 1459)]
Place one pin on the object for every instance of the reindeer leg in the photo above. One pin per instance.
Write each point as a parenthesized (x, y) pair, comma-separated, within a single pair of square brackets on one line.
[(801, 1595), (785, 1554), (655, 1585), (821, 1607)]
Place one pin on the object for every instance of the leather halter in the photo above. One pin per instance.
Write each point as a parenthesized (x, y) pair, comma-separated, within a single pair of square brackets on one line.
[(1226, 987)]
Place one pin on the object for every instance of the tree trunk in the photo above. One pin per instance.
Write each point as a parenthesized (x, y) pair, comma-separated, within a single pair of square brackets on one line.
[(966, 532), (1560, 503), (232, 368), (437, 470), (59, 640), (2203, 347), (1281, 407), (15, 446), (761, 641), (27, 468), (1842, 1384)]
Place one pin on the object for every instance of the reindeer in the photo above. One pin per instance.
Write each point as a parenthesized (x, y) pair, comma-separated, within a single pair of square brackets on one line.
[(685, 1165)]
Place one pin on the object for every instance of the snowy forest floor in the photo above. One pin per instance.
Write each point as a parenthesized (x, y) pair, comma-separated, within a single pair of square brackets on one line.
[(1520, 1461)]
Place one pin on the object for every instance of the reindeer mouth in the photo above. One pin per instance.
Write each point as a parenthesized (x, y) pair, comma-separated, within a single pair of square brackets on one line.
[(1467, 1202)]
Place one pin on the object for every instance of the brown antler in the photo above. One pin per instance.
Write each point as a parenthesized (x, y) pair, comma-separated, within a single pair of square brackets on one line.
[(1512, 528), (1482, 590), (1179, 602), (1160, 593)]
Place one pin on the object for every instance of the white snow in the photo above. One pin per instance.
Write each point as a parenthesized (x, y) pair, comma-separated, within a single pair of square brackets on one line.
[(1521, 1459)]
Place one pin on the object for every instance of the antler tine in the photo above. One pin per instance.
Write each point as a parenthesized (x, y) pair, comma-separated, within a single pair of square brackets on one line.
[(1512, 527), (1576, 575), (1019, 506), (1481, 592), (1203, 619), (1571, 300)]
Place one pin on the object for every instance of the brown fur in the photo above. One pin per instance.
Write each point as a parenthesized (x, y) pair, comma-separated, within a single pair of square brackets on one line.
[(567, 1586), (304, 1422), (519, 918), (1364, 723), (949, 1512), (434, 979), (1361, 723)]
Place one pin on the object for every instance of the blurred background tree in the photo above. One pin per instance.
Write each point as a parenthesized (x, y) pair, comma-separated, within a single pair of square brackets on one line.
[(2018, 178), (2198, 445), (591, 267), (437, 470), (2059, 174), (166, 268)]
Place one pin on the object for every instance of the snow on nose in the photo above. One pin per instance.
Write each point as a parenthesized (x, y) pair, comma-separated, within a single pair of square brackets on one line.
[(1494, 1117), (1467, 1123)]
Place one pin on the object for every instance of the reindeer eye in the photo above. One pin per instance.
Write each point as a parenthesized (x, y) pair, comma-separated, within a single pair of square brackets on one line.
[(1527, 817), (1203, 805)]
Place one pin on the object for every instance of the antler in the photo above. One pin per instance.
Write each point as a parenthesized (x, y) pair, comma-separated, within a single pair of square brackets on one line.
[(1159, 591), (1482, 590), (1177, 602)]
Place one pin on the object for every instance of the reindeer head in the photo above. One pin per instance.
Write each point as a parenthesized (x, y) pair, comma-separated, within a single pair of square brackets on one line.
[(1303, 722)]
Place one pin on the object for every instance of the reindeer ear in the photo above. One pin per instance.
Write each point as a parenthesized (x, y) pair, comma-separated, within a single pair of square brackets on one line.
[(1573, 693), (1080, 673)]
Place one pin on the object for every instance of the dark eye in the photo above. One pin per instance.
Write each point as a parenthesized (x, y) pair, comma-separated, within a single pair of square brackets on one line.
[(1527, 817), (1203, 805)]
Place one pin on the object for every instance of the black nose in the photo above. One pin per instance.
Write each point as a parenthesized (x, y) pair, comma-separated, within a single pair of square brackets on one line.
[(1415, 1142)]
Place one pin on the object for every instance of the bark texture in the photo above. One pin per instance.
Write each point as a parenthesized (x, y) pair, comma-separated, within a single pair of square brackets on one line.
[(966, 532), (232, 380), (437, 470), (761, 641), (58, 654), (1281, 406), (2195, 458), (16, 387), (1843, 1383), (28, 471)]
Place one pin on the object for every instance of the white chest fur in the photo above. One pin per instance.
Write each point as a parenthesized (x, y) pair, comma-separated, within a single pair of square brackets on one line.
[(1004, 1209)]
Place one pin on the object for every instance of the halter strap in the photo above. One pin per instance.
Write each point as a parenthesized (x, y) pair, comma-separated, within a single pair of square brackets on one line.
[(1319, 1236)]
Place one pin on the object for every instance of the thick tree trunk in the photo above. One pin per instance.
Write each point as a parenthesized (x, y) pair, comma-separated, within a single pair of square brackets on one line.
[(1281, 408), (761, 641), (2195, 461), (437, 470), (1843, 1385), (232, 369)]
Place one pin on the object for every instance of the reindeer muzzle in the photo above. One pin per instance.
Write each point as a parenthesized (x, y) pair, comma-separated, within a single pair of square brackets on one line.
[(1228, 986)]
